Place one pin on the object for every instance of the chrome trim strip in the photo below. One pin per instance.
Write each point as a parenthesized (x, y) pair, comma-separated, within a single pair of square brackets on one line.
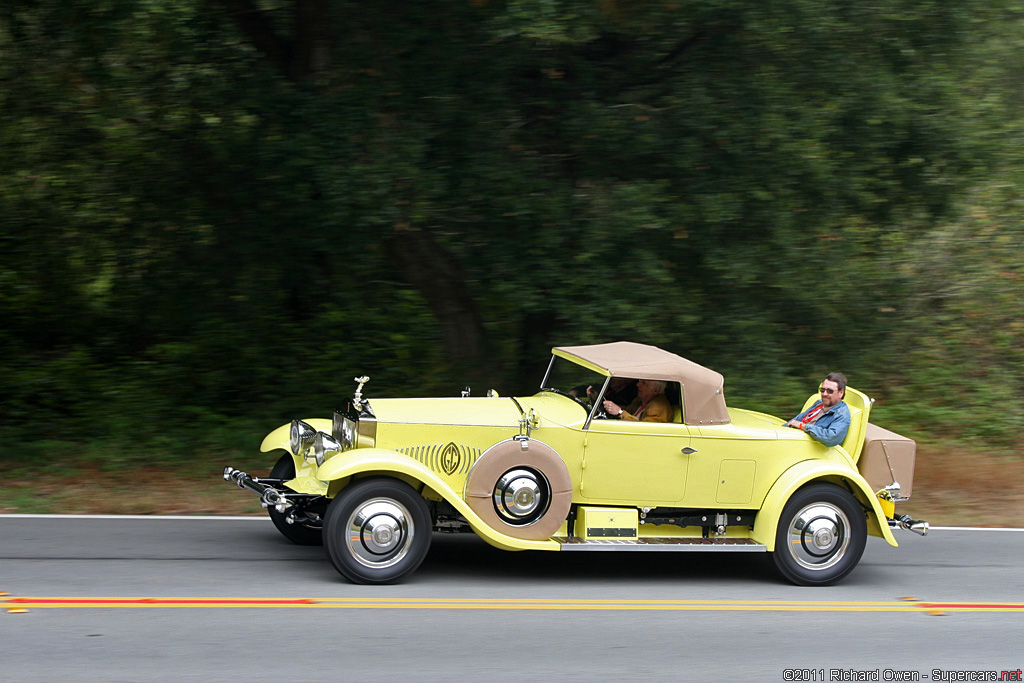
[(512, 425), (735, 545)]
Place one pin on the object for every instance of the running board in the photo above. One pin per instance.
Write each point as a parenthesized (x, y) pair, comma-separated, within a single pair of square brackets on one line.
[(677, 545)]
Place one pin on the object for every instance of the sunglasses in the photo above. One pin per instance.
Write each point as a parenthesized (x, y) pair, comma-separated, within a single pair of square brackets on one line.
[(823, 390)]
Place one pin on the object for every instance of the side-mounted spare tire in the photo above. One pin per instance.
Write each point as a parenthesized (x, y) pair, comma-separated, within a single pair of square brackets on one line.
[(523, 493)]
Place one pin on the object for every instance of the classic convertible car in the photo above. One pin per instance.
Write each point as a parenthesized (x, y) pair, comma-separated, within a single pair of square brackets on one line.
[(554, 471)]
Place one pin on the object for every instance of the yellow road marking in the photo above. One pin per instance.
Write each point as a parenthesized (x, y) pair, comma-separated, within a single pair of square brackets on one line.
[(13, 603)]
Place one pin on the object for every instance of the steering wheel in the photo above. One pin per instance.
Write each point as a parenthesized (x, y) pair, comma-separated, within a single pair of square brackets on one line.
[(583, 404)]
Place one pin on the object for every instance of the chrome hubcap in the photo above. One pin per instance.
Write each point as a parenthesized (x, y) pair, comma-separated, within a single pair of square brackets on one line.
[(519, 496), (819, 536), (379, 532)]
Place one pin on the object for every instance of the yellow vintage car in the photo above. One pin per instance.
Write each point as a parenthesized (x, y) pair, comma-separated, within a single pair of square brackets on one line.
[(555, 471)]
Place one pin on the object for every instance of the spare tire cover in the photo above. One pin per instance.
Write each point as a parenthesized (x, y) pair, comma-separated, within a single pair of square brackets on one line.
[(508, 455)]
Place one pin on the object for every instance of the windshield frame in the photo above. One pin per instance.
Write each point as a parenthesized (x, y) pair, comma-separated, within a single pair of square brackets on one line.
[(595, 408)]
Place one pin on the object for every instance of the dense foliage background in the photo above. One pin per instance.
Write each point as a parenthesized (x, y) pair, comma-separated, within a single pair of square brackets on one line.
[(215, 213)]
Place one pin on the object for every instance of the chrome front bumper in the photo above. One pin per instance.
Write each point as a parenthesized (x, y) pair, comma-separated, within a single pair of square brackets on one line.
[(269, 496)]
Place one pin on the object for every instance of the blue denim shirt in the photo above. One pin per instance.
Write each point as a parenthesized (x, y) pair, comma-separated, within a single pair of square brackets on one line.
[(830, 429)]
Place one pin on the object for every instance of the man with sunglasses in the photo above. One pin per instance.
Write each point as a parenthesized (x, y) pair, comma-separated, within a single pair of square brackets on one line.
[(828, 419)]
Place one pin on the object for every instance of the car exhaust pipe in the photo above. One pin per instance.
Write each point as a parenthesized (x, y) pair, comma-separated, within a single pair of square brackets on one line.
[(269, 496), (918, 526)]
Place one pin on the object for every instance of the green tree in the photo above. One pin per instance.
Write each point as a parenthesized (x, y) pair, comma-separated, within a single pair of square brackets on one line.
[(239, 204)]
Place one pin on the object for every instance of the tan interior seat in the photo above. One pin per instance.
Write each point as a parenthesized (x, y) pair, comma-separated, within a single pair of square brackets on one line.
[(860, 407)]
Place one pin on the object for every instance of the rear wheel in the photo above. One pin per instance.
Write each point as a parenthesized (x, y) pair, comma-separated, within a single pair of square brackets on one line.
[(377, 531), (821, 535), (297, 532)]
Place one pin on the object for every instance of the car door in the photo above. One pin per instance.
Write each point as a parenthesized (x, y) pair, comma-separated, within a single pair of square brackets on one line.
[(733, 465), (640, 463)]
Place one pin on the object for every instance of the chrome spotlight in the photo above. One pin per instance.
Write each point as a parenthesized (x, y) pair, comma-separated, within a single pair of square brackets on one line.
[(302, 436), (324, 446)]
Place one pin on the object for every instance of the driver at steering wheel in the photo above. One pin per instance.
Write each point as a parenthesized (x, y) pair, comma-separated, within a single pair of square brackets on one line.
[(621, 391), (650, 404)]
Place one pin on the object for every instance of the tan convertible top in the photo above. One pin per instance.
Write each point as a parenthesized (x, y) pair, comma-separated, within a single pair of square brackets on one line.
[(703, 397)]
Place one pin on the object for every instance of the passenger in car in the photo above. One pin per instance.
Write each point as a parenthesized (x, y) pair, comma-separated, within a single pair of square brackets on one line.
[(828, 419), (650, 404)]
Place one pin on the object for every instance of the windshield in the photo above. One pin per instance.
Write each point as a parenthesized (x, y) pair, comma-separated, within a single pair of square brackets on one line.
[(568, 378)]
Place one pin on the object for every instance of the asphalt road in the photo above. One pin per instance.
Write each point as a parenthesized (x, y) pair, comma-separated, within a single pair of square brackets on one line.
[(157, 599)]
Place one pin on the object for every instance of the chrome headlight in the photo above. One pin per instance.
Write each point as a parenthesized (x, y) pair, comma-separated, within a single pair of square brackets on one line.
[(344, 430), (325, 446), (301, 437)]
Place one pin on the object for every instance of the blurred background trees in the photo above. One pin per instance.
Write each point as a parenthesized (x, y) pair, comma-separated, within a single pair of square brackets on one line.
[(212, 209)]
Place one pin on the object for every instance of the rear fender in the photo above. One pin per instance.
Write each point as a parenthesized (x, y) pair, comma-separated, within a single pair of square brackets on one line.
[(767, 521), (364, 462)]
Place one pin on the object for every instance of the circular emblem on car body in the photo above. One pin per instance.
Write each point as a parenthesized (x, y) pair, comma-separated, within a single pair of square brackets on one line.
[(451, 458)]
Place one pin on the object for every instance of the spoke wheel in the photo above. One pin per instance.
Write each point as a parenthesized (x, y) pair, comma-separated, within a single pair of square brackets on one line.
[(821, 535), (298, 533), (377, 531)]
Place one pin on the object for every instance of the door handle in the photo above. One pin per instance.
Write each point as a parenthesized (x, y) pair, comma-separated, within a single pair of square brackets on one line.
[(689, 451)]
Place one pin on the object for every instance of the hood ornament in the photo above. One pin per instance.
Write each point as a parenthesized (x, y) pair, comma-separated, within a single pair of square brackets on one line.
[(357, 398)]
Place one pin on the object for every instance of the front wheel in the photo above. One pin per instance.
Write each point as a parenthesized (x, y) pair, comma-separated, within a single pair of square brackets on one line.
[(821, 535), (377, 531)]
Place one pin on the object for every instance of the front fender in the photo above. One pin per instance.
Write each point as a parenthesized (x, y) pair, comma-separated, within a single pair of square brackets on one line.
[(767, 521), (281, 437), (368, 461)]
